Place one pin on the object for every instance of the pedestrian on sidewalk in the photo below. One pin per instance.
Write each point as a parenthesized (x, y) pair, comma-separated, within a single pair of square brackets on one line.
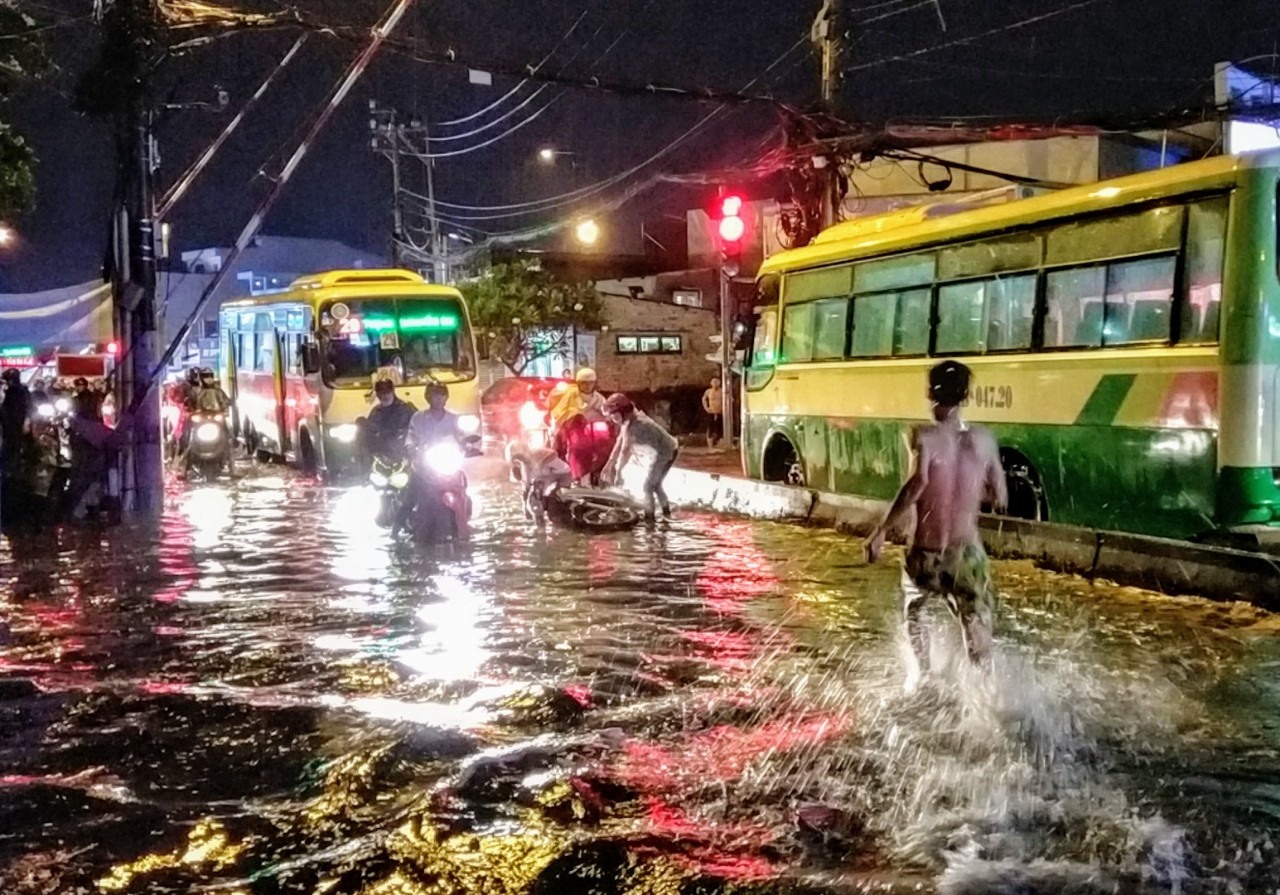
[(644, 440), (956, 469), (713, 405)]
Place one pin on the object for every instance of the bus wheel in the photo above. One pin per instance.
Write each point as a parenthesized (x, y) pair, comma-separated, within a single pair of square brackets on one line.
[(782, 463), (306, 453), (1026, 494)]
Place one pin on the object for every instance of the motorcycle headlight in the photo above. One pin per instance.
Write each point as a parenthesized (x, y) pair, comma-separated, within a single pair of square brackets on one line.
[(344, 434), (62, 405), (46, 411), (208, 432), (399, 479), (469, 424), (444, 458), (379, 480), (530, 416)]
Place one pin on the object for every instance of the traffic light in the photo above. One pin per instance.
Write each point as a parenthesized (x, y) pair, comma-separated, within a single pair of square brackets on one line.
[(733, 230)]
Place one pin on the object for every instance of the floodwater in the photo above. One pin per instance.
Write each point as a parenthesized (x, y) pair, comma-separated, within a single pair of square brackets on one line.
[(267, 696)]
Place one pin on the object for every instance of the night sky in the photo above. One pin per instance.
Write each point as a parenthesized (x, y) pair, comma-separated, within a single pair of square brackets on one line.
[(1116, 58)]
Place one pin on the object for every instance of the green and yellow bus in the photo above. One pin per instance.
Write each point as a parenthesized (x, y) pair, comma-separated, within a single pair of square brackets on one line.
[(300, 364), (1124, 338)]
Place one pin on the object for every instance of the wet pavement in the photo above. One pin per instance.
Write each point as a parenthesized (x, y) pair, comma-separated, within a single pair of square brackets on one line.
[(265, 695)]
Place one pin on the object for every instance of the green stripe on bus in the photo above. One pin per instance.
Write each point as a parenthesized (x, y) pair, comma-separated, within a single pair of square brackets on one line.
[(1104, 403)]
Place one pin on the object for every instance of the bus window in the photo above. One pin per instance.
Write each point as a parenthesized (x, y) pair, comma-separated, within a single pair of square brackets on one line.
[(1139, 306), (248, 351), (1073, 317), (1154, 230), (990, 256), (911, 327), (797, 333), (960, 309), (894, 273), (873, 325), (766, 333), (266, 362), (830, 326), (1202, 301), (1011, 308)]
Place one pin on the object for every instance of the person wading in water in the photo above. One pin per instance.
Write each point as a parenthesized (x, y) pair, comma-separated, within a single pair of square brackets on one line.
[(956, 470)]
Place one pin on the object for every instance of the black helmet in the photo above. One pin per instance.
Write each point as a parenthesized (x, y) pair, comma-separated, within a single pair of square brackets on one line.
[(193, 374), (206, 373), (12, 376), (619, 403)]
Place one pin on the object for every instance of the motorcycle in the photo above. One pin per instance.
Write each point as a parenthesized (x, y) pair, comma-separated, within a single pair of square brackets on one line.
[(209, 447), (591, 509), (391, 477), (441, 507), (587, 446)]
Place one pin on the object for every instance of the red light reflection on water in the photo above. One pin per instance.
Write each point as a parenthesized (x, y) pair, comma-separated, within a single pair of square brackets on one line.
[(737, 571)]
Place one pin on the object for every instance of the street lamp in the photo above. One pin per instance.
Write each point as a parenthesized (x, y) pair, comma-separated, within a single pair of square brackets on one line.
[(587, 232), (7, 236)]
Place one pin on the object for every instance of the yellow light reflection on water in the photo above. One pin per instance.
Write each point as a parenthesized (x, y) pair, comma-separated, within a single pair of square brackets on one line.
[(209, 510), (360, 549), (207, 844)]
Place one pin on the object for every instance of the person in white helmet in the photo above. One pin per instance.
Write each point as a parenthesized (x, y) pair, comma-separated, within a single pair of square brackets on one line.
[(573, 418)]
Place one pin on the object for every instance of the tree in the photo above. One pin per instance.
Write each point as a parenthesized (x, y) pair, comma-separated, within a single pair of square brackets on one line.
[(22, 56), (527, 313)]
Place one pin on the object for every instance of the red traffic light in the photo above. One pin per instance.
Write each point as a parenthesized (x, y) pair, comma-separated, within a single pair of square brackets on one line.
[(731, 226), (732, 229), (113, 348)]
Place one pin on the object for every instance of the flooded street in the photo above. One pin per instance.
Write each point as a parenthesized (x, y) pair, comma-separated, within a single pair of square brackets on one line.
[(267, 695)]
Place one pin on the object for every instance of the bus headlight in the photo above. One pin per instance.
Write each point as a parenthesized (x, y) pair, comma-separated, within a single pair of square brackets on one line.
[(208, 432), (443, 459), (469, 424), (62, 405), (399, 478), (46, 411), (379, 480), (344, 434)]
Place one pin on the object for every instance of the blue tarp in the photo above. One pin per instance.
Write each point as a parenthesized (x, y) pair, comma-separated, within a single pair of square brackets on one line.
[(68, 318)]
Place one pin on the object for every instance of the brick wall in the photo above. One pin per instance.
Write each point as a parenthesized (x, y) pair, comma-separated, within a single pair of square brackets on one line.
[(651, 372)]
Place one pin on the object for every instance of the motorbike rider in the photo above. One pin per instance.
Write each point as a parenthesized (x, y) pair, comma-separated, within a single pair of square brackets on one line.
[(428, 427), (580, 399), (211, 399), (577, 407), (388, 422), (641, 437)]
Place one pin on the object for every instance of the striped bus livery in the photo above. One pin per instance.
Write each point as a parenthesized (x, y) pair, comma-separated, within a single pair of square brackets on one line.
[(1124, 338)]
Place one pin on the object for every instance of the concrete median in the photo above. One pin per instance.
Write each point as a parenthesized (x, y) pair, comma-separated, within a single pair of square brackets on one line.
[(1159, 564)]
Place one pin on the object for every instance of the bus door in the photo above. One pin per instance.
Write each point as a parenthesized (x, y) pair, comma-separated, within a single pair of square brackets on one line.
[(281, 393), (231, 375)]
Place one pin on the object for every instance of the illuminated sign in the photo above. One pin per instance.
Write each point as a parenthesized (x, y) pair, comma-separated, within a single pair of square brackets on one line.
[(418, 322), (18, 356)]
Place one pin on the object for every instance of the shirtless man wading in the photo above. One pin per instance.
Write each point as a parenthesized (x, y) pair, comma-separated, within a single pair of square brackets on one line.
[(957, 469)]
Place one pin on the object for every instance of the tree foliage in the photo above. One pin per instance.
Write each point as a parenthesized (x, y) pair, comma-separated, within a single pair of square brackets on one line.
[(22, 57), (525, 312)]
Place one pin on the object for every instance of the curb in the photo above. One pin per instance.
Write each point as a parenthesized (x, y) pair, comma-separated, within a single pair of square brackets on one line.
[(1158, 564)]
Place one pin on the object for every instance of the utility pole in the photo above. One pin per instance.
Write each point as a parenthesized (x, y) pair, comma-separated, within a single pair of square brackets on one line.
[(134, 275), (439, 266), (826, 34)]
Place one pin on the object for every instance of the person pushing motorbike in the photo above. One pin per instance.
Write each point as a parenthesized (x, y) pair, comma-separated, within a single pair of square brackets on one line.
[(642, 438)]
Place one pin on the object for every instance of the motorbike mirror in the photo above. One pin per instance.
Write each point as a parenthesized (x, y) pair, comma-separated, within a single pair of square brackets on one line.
[(310, 358)]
